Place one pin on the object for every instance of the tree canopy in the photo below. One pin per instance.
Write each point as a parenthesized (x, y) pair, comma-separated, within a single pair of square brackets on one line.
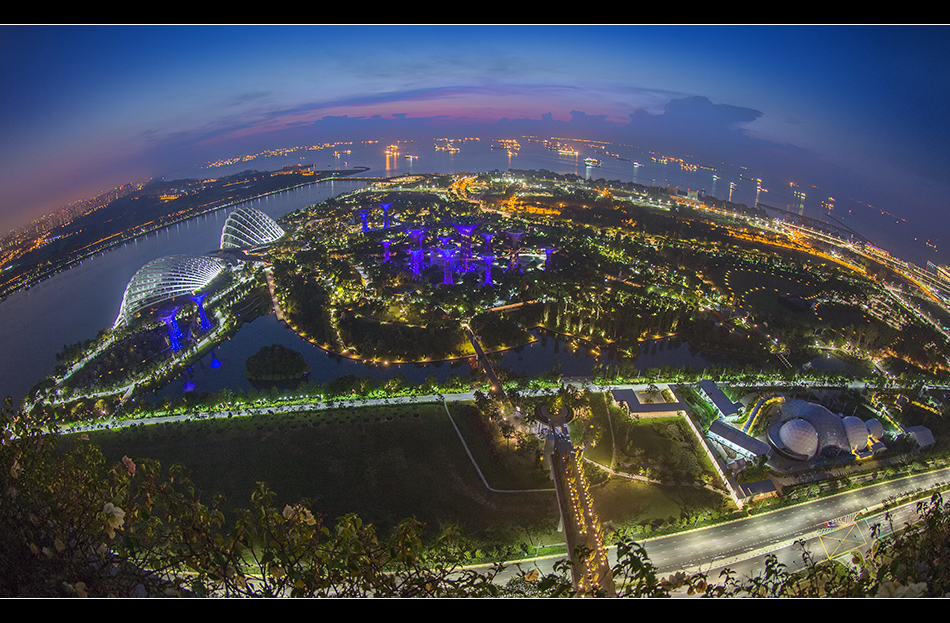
[(74, 525)]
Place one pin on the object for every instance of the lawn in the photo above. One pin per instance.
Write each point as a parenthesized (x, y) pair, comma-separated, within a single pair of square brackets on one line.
[(383, 463), (628, 504), (602, 414), (662, 449)]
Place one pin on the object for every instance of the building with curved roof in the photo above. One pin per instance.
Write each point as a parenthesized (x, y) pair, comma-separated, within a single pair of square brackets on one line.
[(857, 432), (160, 282), (875, 429), (247, 228), (809, 431), (799, 438)]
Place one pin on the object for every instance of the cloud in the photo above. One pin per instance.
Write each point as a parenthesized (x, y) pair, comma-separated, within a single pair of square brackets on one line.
[(695, 125), (698, 109), (689, 124)]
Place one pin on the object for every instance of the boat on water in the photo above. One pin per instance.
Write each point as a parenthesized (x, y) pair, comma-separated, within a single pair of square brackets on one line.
[(592, 162)]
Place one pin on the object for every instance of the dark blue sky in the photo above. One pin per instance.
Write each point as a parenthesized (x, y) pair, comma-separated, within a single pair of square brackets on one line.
[(857, 108)]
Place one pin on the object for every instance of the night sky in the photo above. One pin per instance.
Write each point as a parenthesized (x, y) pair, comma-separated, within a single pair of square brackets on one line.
[(856, 109)]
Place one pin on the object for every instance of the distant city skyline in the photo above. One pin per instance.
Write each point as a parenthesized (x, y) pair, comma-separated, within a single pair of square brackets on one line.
[(856, 108)]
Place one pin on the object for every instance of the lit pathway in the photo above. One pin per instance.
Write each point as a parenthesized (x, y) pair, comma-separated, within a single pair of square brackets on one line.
[(270, 286)]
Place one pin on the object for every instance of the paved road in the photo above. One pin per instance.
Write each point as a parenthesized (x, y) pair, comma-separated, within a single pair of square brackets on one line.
[(840, 542), (777, 529), (742, 545)]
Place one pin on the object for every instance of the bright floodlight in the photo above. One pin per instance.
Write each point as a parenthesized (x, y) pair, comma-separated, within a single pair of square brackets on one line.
[(247, 228), (165, 279)]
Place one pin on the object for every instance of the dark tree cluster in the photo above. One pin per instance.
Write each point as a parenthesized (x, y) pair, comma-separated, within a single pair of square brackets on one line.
[(276, 363)]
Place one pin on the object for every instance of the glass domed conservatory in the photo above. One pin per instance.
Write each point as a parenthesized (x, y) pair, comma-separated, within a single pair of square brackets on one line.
[(247, 228), (160, 282), (810, 431)]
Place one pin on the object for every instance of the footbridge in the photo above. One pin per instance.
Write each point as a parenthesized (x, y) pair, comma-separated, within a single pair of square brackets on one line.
[(590, 568)]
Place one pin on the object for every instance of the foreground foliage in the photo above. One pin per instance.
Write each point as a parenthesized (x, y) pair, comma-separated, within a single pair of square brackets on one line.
[(72, 525)]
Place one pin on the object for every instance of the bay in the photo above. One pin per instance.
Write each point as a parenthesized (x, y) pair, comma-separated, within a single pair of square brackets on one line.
[(76, 304)]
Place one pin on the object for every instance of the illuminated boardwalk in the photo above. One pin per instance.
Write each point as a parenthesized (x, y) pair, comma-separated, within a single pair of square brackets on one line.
[(273, 297), (484, 362), (590, 568)]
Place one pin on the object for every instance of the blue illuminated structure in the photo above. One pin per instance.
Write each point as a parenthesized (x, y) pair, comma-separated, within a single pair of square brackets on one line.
[(488, 259), (548, 251), (204, 323), (488, 238), (465, 240), (364, 215), (415, 263), (174, 332), (448, 259), (416, 255), (416, 233), (514, 263), (386, 244), (385, 207)]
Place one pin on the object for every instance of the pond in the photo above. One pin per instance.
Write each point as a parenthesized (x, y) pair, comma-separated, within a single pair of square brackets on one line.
[(223, 368)]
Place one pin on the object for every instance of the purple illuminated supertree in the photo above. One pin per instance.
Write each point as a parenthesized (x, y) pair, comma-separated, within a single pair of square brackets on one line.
[(364, 214), (448, 254), (385, 207), (488, 259), (465, 240), (415, 263), (204, 323), (514, 263), (488, 238), (416, 255), (416, 233), (386, 244), (548, 251)]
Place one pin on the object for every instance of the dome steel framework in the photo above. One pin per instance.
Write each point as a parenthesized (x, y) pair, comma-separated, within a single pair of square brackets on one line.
[(163, 280), (246, 228)]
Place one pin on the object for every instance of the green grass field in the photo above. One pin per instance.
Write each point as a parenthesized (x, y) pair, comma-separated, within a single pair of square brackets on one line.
[(659, 444), (601, 416), (392, 462), (384, 464), (630, 504)]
